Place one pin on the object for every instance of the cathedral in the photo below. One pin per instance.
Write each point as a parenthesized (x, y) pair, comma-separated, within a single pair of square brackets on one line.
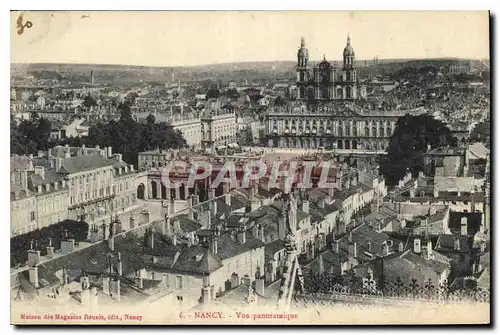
[(328, 112), (324, 81)]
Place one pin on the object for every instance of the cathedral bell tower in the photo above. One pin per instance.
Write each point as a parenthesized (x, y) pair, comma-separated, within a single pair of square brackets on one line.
[(349, 71), (302, 73)]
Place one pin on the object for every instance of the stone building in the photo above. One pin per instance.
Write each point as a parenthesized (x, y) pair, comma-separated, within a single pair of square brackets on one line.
[(327, 112)]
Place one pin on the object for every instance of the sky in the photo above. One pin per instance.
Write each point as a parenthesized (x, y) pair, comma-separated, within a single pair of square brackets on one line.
[(197, 38)]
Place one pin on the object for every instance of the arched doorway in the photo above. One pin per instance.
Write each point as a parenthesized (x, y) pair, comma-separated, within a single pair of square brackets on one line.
[(163, 192), (154, 190), (140, 191)]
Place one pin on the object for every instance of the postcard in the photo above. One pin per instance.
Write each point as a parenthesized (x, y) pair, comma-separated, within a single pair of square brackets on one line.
[(250, 167)]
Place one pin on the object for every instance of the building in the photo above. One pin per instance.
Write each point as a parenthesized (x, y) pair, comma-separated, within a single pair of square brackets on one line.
[(218, 129), (326, 82), (190, 127), (333, 120), (38, 197), (78, 183)]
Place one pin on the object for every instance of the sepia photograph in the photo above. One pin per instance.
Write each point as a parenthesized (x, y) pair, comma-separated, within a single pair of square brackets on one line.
[(250, 168)]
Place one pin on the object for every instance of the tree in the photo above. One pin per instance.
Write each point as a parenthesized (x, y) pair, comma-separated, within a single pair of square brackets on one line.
[(482, 132), (212, 93), (279, 101), (409, 143), (89, 101)]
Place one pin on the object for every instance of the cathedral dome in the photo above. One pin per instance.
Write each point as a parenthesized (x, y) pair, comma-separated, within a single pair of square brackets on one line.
[(324, 64)]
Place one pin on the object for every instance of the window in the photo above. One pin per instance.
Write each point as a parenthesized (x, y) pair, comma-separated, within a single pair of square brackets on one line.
[(32, 216), (178, 283), (179, 298)]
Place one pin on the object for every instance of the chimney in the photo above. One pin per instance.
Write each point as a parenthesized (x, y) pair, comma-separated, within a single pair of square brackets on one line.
[(115, 289), (111, 243), (242, 234), (226, 188), (417, 246), (246, 280), (385, 249), (227, 198), (282, 227), (58, 161), (213, 207), (33, 275), (369, 246), (254, 204), (463, 226), (50, 249), (353, 250), (255, 231), (206, 296), (349, 236), (261, 233), (67, 246), (33, 257), (235, 280), (132, 221), (336, 247), (259, 286), (171, 206), (457, 243), (110, 151), (40, 170), (139, 282), (430, 254), (211, 193), (174, 240), (105, 228), (120, 265), (305, 206), (213, 245), (151, 239), (167, 226), (401, 247)]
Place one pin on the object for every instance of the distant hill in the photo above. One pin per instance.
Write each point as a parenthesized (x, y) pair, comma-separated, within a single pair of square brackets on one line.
[(222, 72)]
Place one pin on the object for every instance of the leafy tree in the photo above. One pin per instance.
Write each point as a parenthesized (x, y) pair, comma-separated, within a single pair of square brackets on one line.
[(409, 143), (30, 135), (482, 132), (279, 101), (213, 93), (89, 101)]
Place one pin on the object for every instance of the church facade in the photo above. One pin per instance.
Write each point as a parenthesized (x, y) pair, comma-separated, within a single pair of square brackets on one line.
[(324, 81), (335, 119)]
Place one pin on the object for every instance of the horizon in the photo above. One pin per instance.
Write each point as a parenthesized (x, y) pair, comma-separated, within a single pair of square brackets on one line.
[(190, 39), (246, 62)]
